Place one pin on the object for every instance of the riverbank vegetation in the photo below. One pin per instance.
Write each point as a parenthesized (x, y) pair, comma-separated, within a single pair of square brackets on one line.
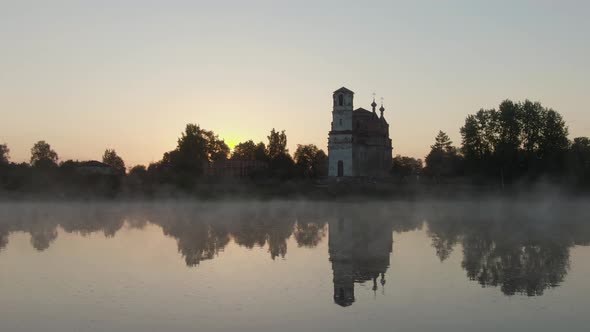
[(519, 145)]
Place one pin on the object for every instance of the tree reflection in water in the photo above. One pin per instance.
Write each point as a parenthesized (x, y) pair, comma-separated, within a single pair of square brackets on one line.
[(520, 248)]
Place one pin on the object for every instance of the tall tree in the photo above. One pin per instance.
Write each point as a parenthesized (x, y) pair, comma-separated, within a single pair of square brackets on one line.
[(532, 117), (111, 158), (277, 144), (42, 155), (506, 151), (478, 139), (280, 162), (554, 142), (443, 159), (442, 142), (4, 154), (312, 161)]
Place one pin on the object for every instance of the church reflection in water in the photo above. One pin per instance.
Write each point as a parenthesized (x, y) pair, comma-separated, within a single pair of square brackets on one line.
[(359, 252), (521, 249)]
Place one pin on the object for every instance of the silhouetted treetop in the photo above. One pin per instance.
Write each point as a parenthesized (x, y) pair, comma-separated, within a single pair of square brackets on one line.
[(442, 142), (311, 161), (403, 167), (249, 151), (111, 158), (443, 159), (277, 144), (4, 154), (195, 148), (42, 155)]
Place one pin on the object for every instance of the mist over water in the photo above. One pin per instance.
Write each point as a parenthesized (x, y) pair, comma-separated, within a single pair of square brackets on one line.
[(295, 265)]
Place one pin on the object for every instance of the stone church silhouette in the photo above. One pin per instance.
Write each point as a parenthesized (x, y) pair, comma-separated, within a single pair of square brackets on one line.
[(358, 143), (359, 252)]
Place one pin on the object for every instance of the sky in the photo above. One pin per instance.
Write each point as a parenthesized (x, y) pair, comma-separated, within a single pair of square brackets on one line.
[(89, 75)]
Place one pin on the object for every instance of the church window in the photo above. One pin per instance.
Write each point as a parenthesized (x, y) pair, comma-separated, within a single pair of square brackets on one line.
[(341, 122), (340, 100)]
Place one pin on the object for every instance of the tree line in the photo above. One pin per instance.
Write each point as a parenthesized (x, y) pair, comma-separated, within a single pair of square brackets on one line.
[(183, 168), (520, 142)]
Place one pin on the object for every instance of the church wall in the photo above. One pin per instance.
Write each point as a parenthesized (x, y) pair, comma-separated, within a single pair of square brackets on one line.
[(340, 151)]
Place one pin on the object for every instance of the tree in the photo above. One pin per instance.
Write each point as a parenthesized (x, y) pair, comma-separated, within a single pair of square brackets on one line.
[(442, 142), (312, 161), (260, 152), (195, 148), (249, 151), (43, 156), (277, 144), (579, 160), (309, 234), (519, 139), (403, 167), (554, 143), (531, 118), (478, 139), (216, 148), (111, 158), (138, 170), (508, 144), (4, 154), (443, 159), (280, 163)]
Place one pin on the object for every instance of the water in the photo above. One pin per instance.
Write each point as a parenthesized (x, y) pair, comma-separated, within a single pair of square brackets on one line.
[(295, 266)]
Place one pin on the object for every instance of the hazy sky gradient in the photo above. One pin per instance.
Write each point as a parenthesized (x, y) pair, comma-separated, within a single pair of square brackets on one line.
[(90, 75)]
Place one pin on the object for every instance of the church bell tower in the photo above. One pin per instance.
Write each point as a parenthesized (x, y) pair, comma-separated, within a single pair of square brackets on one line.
[(340, 136)]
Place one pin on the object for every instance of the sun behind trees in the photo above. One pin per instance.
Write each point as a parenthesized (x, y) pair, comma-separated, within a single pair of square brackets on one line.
[(516, 144)]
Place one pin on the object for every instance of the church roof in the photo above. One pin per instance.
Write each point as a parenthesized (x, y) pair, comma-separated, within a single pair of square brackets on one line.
[(343, 89), (362, 110)]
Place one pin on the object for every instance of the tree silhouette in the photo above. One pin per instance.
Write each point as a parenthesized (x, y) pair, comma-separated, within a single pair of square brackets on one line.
[(554, 143), (311, 161), (111, 158), (443, 159), (281, 164), (249, 151), (138, 170), (195, 148), (309, 234), (277, 144), (42, 155), (579, 160), (403, 167), (4, 154), (519, 139)]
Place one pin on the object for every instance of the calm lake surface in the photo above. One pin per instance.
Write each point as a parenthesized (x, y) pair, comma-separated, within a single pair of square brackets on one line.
[(296, 266)]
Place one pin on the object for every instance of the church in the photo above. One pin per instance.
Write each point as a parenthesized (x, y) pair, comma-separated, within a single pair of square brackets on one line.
[(358, 143)]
